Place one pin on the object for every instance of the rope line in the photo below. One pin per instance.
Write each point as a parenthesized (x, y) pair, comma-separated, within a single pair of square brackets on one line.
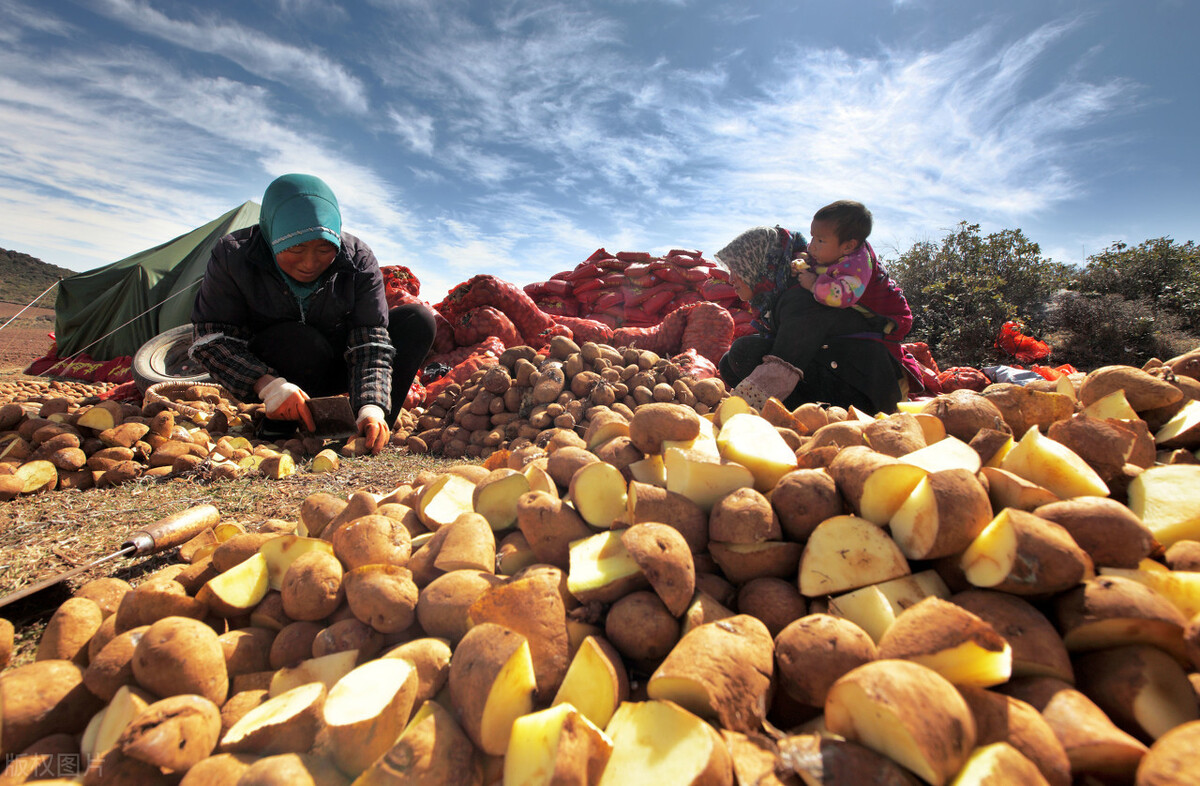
[(36, 299)]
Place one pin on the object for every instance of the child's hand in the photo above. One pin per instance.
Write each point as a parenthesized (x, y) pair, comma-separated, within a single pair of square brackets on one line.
[(807, 279), (800, 262)]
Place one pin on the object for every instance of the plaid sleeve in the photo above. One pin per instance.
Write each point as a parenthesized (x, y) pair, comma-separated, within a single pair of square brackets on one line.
[(368, 356), (224, 351)]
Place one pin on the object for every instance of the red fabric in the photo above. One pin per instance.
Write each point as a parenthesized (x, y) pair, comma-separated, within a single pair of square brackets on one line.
[(1015, 341), (126, 391), (960, 377), (82, 366), (920, 351), (1052, 374)]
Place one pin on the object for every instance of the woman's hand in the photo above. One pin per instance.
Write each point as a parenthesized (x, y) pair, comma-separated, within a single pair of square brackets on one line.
[(373, 428), (285, 401)]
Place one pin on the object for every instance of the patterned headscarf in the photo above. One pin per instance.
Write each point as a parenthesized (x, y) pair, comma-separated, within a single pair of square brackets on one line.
[(762, 258)]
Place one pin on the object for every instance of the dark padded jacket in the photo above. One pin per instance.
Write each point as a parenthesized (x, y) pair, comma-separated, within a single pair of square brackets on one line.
[(243, 291)]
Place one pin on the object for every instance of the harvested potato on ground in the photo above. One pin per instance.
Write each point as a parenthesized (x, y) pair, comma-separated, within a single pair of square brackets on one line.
[(531, 604), (847, 552), (661, 742), (293, 644), (803, 499), (431, 658), (1141, 688), (282, 551), (550, 526), (952, 641), (565, 462), (1024, 554), (247, 649), (875, 607), (468, 544), (444, 499), (599, 493), (1008, 490), (874, 484), (702, 478), (602, 569), (372, 540), (743, 516), (754, 443), (348, 635), (383, 597), (1171, 760), (596, 682), (181, 655), (69, 630), (112, 665), (1110, 611), (1000, 718), (1037, 648), (317, 510), (286, 723), (1023, 407), (326, 669), (1142, 390), (774, 601), (943, 514), (366, 710), (998, 762), (555, 745), (495, 497), (1054, 466), (744, 562), (106, 592), (965, 412), (650, 503), (239, 589), (812, 652), (432, 749), (492, 683), (655, 422), (43, 698), (873, 705), (720, 670), (312, 586), (175, 733), (821, 759), (443, 604), (1094, 745), (895, 434), (665, 560), (1167, 500), (641, 627), (151, 601)]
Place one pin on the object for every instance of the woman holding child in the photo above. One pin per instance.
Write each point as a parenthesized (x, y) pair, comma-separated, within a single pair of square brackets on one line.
[(830, 319)]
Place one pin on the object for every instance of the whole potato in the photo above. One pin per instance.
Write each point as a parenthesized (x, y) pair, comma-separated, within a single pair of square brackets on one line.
[(312, 586), (181, 655)]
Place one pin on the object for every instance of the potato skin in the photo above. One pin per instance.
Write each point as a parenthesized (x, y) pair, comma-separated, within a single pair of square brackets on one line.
[(181, 655), (641, 627), (69, 630), (112, 666), (653, 423), (382, 596), (312, 586), (43, 698), (174, 733), (802, 499), (814, 651)]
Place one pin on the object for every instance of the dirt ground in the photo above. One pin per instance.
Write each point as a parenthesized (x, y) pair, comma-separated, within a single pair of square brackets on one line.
[(25, 338)]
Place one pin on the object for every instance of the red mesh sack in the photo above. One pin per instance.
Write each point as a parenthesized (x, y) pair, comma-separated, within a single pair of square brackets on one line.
[(480, 323), (960, 377)]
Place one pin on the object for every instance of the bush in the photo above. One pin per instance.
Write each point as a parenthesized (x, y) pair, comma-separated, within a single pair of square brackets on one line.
[(1091, 330)]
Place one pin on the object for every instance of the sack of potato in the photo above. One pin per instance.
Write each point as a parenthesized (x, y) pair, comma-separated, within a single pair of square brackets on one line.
[(996, 587)]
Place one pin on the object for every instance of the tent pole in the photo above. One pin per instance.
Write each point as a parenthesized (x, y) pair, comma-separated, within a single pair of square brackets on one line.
[(36, 299)]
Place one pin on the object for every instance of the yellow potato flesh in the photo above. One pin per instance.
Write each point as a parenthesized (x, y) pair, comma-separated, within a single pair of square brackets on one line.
[(281, 552), (702, 480), (1167, 499), (533, 746), (949, 453), (876, 607), (1181, 587), (755, 444), (590, 684), (1053, 466), (855, 714), (970, 664), (598, 561), (327, 670), (244, 585), (848, 552), (655, 742), (886, 489), (989, 558), (511, 697)]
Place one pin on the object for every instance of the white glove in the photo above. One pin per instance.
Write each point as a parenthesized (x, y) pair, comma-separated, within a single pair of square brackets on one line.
[(285, 401), (774, 378)]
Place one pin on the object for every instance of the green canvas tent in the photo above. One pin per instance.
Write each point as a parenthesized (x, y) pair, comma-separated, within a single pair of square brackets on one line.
[(140, 296)]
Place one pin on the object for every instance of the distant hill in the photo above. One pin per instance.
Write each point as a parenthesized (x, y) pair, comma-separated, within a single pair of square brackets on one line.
[(22, 278)]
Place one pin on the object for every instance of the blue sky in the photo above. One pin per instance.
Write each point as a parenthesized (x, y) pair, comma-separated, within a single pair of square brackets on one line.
[(516, 137)]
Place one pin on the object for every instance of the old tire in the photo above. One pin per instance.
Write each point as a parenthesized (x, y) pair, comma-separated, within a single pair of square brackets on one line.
[(164, 358)]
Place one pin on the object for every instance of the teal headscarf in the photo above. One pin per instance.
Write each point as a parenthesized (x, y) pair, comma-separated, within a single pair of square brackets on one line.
[(295, 209)]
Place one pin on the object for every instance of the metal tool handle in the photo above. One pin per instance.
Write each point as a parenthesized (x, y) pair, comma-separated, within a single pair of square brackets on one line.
[(173, 530)]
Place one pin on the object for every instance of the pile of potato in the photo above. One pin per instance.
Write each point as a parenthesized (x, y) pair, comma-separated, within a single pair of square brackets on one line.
[(526, 394), (988, 588), (60, 440)]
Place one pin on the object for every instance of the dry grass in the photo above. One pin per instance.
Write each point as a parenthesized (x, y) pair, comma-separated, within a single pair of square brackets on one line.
[(47, 534)]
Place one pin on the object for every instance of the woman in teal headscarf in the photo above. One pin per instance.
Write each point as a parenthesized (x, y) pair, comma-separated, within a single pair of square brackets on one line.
[(295, 307)]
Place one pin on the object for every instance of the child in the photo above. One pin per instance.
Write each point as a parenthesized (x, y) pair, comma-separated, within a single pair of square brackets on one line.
[(830, 318)]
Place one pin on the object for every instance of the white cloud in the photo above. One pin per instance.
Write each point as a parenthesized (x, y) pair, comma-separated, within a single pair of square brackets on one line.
[(305, 68)]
